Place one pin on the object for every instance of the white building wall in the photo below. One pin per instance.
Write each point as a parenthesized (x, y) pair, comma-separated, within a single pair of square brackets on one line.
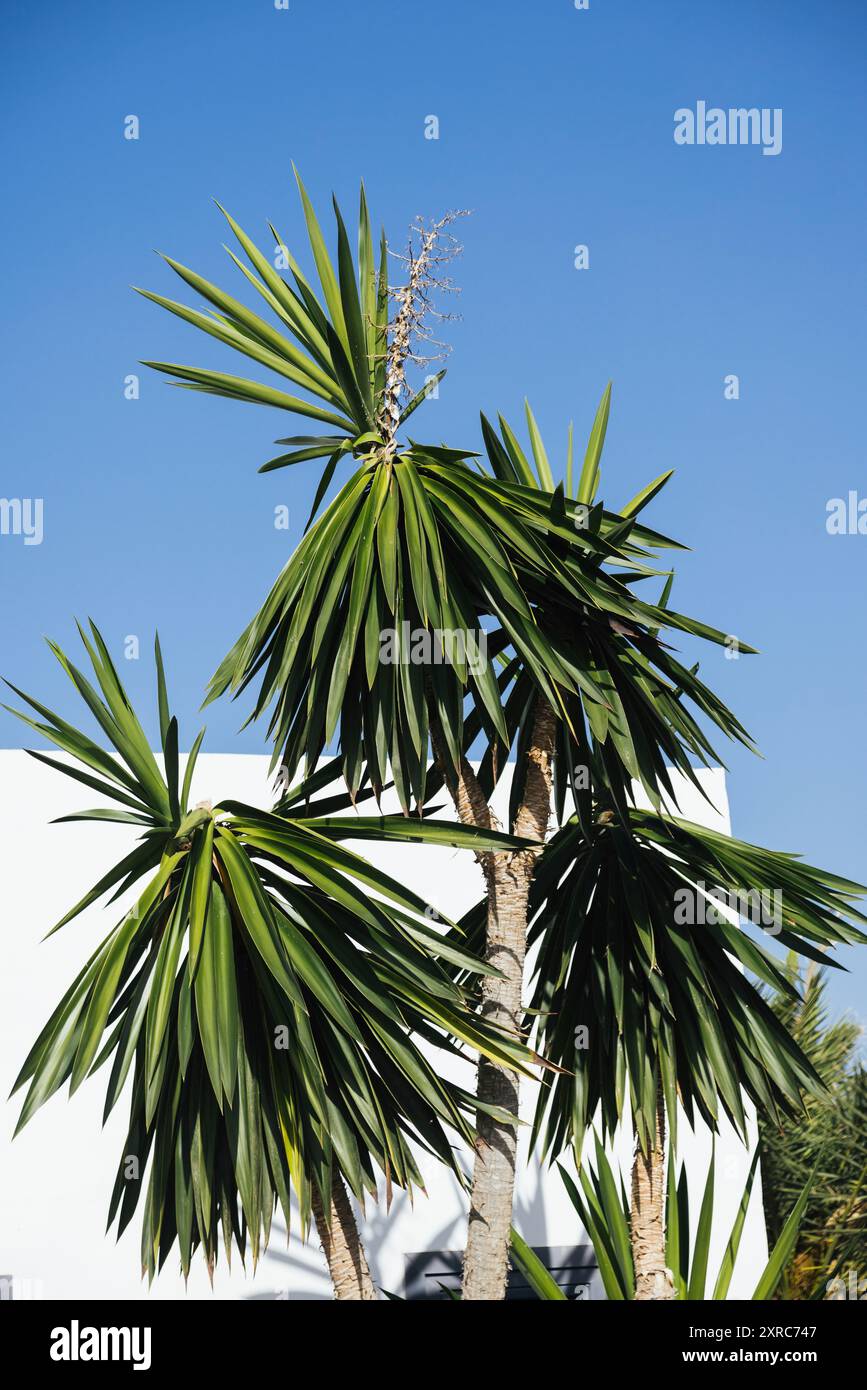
[(56, 1178)]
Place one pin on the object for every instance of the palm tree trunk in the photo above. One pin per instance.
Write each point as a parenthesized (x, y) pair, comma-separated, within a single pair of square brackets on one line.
[(341, 1244), (487, 1253), (653, 1279), (508, 877)]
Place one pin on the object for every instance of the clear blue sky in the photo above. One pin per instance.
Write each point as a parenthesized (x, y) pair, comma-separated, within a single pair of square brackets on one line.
[(556, 127)]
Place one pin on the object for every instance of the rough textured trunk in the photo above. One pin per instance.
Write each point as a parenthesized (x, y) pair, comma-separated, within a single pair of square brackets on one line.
[(508, 878), (487, 1254), (341, 1244), (647, 1219)]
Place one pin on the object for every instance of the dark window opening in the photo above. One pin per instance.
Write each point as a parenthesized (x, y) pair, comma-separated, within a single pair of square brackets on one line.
[(437, 1273)]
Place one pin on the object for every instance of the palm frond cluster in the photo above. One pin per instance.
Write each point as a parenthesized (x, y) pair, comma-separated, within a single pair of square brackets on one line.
[(427, 538), (830, 1140), (265, 993)]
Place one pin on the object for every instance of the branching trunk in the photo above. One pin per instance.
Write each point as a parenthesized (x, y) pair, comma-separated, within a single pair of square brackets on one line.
[(508, 878), (341, 1244), (647, 1218)]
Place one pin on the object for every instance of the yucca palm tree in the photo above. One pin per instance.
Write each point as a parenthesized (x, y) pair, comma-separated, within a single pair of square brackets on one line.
[(422, 539), (830, 1139), (670, 1014), (663, 1008), (266, 994), (560, 662)]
